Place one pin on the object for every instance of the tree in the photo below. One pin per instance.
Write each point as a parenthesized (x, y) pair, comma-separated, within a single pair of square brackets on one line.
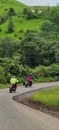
[(10, 26)]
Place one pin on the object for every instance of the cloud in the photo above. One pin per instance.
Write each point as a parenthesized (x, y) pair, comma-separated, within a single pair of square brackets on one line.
[(40, 2)]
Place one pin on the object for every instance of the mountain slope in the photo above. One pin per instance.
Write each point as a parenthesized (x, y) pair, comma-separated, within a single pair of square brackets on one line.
[(21, 24)]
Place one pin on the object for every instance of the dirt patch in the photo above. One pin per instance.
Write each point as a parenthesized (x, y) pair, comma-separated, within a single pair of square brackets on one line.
[(52, 110)]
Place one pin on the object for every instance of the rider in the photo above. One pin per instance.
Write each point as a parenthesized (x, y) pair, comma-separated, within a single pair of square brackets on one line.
[(29, 79), (13, 81)]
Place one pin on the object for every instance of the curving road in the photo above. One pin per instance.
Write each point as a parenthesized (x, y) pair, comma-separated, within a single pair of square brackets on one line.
[(15, 116)]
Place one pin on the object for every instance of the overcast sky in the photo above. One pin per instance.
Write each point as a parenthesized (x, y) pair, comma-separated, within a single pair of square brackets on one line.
[(40, 2)]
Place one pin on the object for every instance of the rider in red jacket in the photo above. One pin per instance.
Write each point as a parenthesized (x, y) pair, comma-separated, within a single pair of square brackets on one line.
[(28, 78)]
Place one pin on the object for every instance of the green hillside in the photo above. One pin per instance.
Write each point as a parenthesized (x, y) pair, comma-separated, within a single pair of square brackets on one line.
[(21, 24), (6, 4)]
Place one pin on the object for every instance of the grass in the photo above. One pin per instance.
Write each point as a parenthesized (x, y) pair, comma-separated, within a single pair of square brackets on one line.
[(20, 24), (49, 97)]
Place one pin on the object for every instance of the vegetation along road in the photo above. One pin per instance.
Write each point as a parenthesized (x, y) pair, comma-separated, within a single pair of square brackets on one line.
[(15, 116)]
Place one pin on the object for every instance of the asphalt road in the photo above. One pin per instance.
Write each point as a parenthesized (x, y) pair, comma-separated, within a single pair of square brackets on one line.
[(15, 116)]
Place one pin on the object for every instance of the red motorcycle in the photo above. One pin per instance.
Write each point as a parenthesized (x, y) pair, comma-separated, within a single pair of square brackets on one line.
[(27, 84)]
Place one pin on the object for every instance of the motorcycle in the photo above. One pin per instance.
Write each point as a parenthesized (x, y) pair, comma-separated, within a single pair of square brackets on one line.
[(12, 88), (27, 84)]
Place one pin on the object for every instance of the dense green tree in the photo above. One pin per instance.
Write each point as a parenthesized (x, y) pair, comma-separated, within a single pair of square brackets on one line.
[(35, 51), (8, 47), (30, 49), (47, 26), (55, 15)]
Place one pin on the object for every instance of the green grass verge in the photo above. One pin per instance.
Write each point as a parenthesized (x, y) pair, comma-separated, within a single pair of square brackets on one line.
[(49, 97), (4, 86)]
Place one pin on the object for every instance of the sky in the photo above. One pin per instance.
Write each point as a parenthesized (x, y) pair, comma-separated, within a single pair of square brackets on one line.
[(40, 2)]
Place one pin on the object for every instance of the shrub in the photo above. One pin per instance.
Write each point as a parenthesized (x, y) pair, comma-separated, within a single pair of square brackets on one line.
[(2, 76), (11, 12)]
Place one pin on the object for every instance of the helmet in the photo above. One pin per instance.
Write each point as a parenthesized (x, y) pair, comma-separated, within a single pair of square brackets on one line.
[(29, 74), (14, 76)]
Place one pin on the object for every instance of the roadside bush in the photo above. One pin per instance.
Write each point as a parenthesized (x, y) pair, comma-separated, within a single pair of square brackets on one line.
[(3, 79), (40, 71), (51, 72)]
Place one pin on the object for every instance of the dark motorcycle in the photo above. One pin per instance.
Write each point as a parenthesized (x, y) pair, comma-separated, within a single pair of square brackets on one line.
[(12, 88), (27, 84)]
